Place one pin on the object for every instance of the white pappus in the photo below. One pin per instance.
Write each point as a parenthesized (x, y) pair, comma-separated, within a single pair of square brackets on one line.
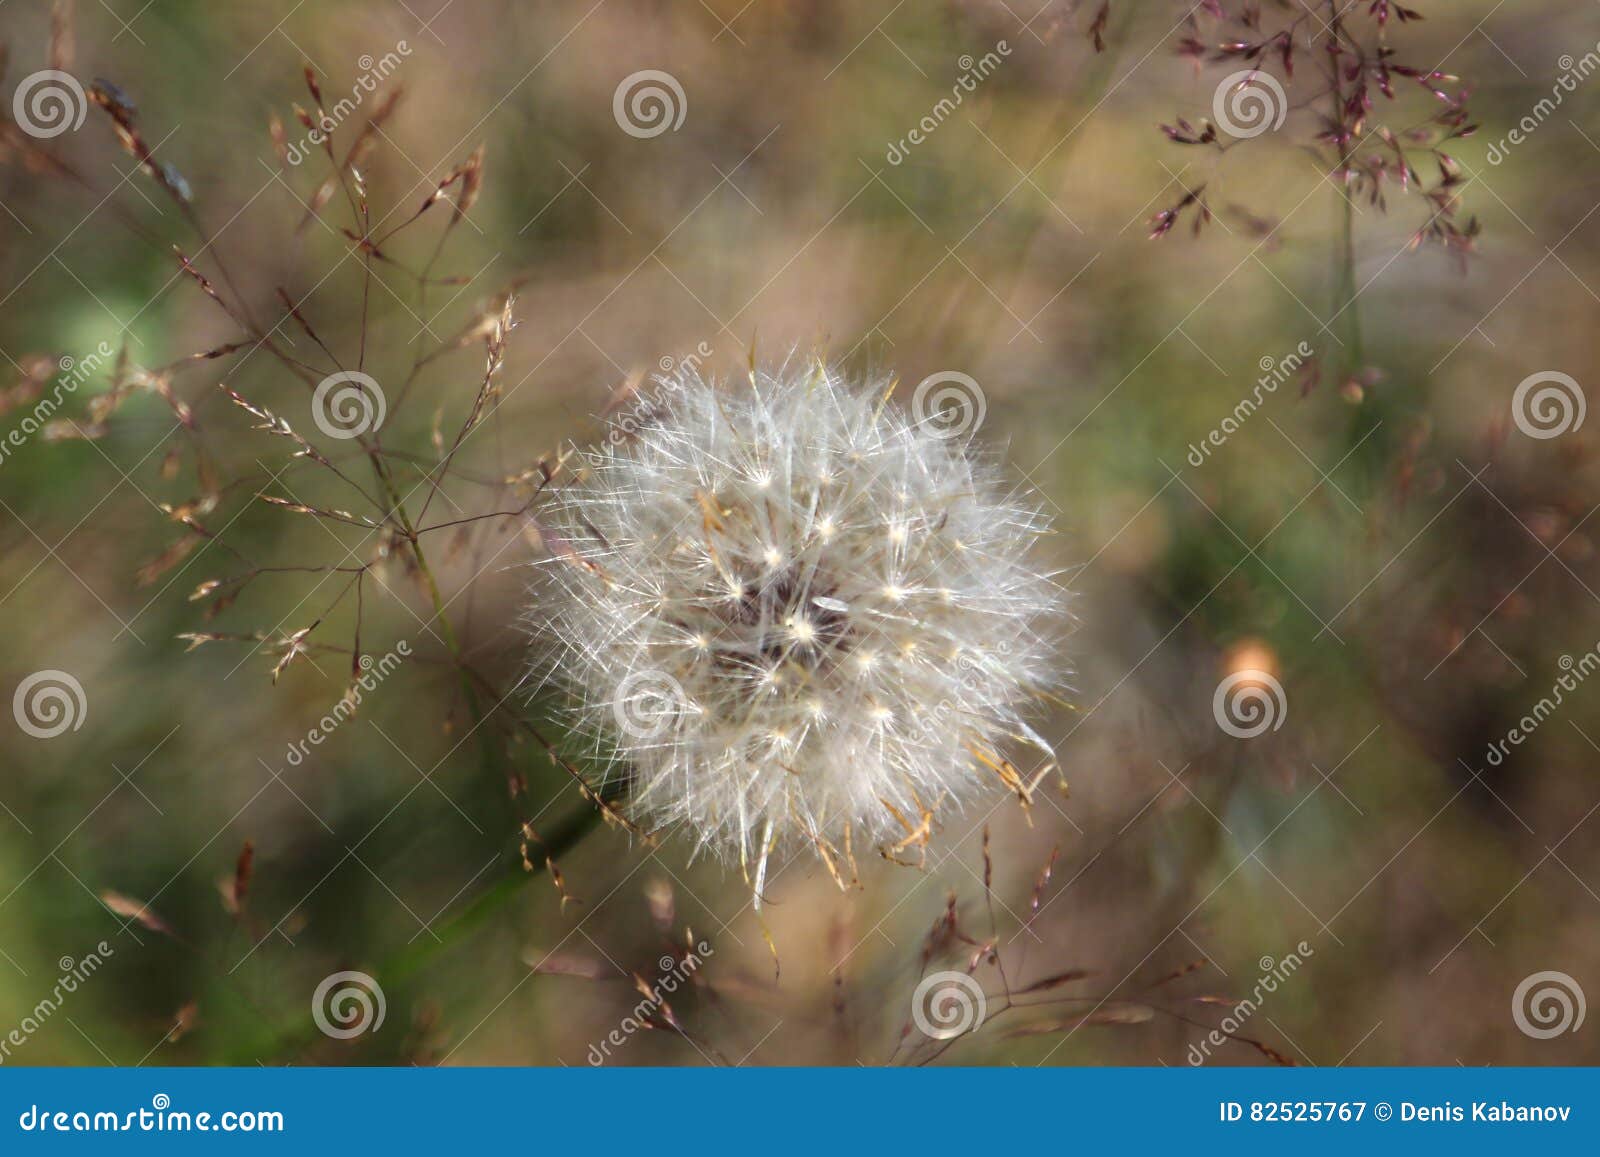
[(785, 612)]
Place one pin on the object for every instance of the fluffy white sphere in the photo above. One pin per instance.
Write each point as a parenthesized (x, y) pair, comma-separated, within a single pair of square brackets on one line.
[(786, 612)]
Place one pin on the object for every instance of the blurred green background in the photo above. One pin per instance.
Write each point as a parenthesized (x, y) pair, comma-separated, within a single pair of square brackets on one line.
[(1408, 564)]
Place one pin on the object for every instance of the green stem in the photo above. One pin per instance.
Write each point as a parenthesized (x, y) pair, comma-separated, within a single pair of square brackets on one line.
[(556, 841), (405, 963), (1344, 258), (402, 965), (1349, 310)]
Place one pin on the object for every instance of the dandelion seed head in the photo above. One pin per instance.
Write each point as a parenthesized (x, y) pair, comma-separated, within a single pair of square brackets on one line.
[(784, 612)]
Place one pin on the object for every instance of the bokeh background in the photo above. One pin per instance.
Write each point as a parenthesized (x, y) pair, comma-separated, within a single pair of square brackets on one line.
[(1382, 538)]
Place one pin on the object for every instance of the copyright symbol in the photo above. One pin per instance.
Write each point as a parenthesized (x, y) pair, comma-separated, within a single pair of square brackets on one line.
[(1383, 1111)]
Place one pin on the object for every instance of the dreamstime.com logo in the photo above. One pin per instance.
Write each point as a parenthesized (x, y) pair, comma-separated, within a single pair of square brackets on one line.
[(74, 372), (1274, 372), (1248, 703), (973, 675), (1548, 404), (1274, 974), (73, 973), (689, 363), (973, 73), (160, 1117), (648, 401), (348, 404), (48, 103), (1249, 103), (49, 703), (373, 672), (949, 404), (1548, 1004), (347, 1004), (1575, 672), (1573, 73), (676, 972), (948, 1004), (648, 103), (373, 74)]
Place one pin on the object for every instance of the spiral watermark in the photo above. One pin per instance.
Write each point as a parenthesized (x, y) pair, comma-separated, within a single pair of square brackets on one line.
[(949, 404), (1548, 404), (348, 404), (948, 1004), (647, 704), (648, 103), (48, 103), (1249, 702), (1249, 103), (347, 1004), (49, 703), (1548, 1004)]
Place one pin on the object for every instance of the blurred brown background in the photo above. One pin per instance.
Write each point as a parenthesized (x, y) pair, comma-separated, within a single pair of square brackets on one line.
[(1406, 561)]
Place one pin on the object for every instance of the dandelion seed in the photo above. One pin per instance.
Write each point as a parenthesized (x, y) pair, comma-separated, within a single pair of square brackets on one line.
[(783, 610)]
